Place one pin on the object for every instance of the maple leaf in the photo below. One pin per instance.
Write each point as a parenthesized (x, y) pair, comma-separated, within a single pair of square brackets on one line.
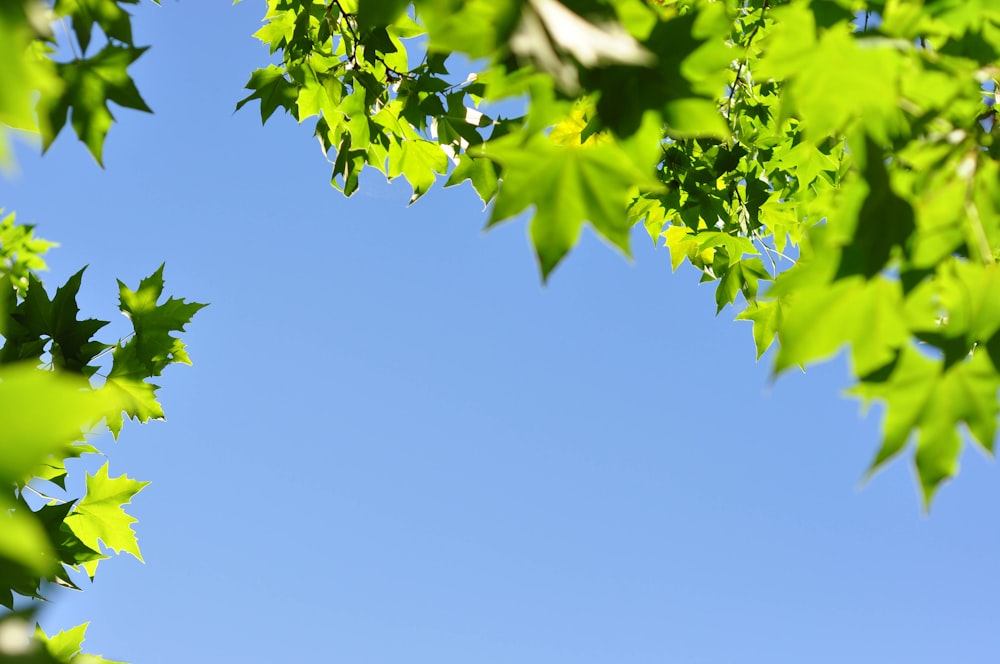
[(885, 221), (417, 160), (136, 398), (89, 85), (968, 292), (37, 318), (150, 350), (42, 413), (20, 251), (820, 319), (806, 162), (766, 318), (153, 347), (68, 546), (923, 395), (20, 77), (99, 516), (682, 242), (567, 186), (270, 86), (482, 173), (112, 19), (743, 276), (66, 646), (53, 469), (26, 553), (379, 13)]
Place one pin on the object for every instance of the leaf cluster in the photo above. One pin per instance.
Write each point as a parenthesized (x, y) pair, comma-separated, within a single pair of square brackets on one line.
[(58, 382), (48, 82), (831, 166), (56, 390)]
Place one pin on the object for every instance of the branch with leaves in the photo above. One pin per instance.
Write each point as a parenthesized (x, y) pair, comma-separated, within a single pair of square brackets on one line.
[(58, 384), (53, 396), (857, 154)]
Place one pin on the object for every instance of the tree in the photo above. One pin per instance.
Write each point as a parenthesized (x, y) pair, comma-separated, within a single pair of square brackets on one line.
[(843, 153), (58, 383)]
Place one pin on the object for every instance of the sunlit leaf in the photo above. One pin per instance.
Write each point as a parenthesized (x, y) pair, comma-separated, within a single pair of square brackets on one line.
[(99, 517)]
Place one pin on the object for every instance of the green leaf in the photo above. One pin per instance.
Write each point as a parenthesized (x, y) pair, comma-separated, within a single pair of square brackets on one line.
[(348, 165), (695, 118), (43, 413), (107, 14), (278, 28), (20, 251), (22, 75), (922, 396), (473, 27), (418, 161), (833, 80), (968, 294), (148, 352), (69, 549), (24, 542), (736, 246), (53, 469), (683, 243), (37, 319), (481, 172), (567, 186), (783, 223), (741, 277), (153, 347), (821, 319), (885, 221), (766, 318), (274, 91), (136, 398), (99, 517), (65, 645), (807, 162), (379, 13), (85, 658), (690, 67), (90, 84)]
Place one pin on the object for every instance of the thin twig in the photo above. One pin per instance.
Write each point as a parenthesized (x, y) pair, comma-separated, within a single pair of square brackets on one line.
[(353, 55), (111, 348), (771, 252), (972, 212), (42, 495), (739, 70), (72, 44)]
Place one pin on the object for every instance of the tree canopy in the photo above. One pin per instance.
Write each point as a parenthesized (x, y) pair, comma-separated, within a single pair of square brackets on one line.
[(831, 166)]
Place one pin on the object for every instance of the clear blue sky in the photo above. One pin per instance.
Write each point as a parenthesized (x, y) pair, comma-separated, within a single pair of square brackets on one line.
[(397, 447)]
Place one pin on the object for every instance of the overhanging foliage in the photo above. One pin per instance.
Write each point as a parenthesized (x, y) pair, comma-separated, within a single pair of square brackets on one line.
[(832, 165)]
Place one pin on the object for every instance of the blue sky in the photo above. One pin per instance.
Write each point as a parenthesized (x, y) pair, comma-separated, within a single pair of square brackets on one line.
[(397, 446)]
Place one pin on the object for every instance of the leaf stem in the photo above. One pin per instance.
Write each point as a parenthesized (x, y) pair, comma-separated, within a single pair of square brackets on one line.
[(739, 69), (110, 349), (69, 38), (42, 495), (391, 73), (771, 251), (972, 211)]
